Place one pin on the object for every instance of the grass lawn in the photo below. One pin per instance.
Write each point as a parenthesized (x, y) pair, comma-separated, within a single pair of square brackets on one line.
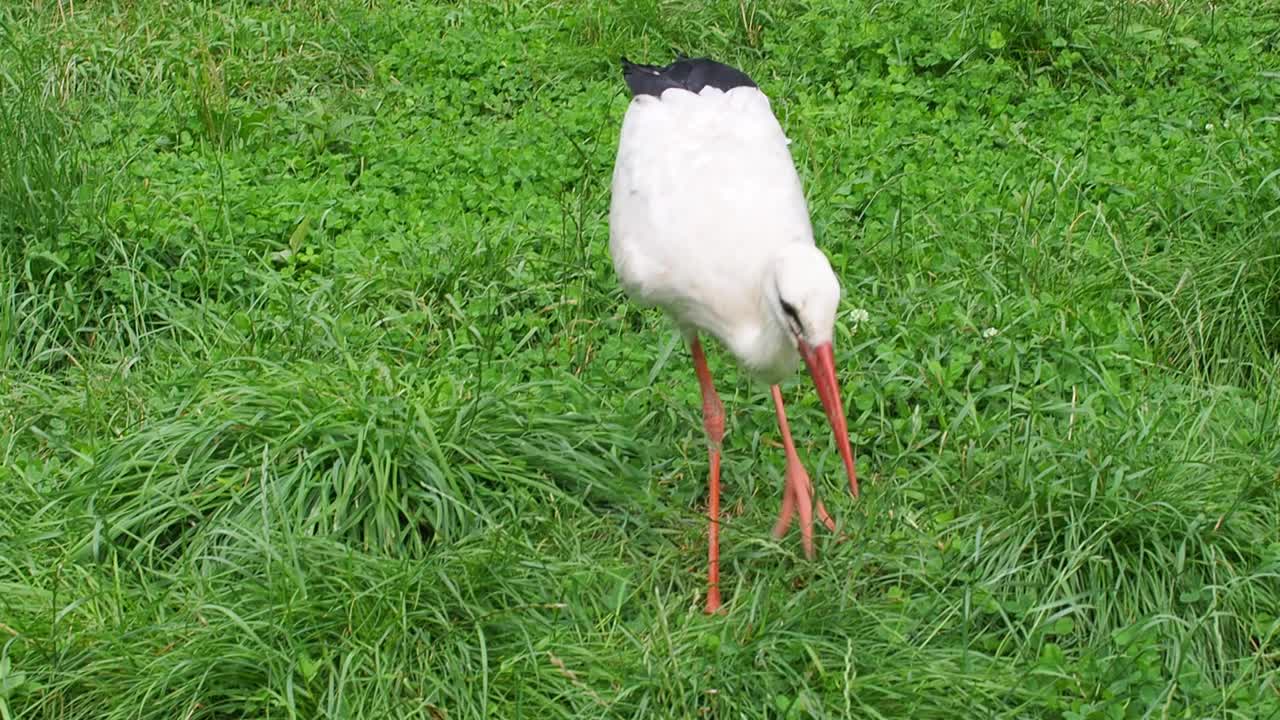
[(319, 398)]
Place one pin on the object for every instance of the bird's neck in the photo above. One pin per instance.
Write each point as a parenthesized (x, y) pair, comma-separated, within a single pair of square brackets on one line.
[(765, 347)]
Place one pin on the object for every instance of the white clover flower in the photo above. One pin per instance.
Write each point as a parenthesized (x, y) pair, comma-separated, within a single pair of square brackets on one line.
[(1208, 126), (990, 333), (857, 316)]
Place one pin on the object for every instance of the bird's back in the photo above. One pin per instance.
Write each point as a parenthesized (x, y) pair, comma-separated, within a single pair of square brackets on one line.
[(704, 192)]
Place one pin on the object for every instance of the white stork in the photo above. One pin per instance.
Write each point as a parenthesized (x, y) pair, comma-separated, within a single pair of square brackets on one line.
[(709, 223)]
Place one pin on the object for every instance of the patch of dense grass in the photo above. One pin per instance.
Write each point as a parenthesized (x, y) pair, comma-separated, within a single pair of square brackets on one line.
[(319, 397)]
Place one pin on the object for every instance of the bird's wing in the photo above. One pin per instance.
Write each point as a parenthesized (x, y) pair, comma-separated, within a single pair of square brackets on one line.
[(692, 74), (704, 190)]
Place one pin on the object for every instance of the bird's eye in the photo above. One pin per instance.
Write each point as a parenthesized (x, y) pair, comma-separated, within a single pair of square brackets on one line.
[(793, 317)]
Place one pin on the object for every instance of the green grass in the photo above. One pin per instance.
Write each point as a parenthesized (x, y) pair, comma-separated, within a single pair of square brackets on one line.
[(319, 397)]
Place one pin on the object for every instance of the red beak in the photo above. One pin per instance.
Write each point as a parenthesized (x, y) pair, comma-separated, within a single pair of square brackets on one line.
[(822, 366)]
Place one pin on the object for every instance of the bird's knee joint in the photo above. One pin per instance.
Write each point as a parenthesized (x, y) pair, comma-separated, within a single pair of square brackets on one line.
[(713, 421)]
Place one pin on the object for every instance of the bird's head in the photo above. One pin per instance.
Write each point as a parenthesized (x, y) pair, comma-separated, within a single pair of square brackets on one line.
[(803, 298), (805, 294)]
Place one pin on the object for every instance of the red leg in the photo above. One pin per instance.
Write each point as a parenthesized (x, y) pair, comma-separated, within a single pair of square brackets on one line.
[(713, 421), (797, 493)]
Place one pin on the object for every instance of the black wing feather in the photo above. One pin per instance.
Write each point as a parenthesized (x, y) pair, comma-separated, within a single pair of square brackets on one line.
[(692, 74)]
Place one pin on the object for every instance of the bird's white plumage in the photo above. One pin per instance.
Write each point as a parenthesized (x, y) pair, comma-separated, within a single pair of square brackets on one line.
[(707, 209)]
